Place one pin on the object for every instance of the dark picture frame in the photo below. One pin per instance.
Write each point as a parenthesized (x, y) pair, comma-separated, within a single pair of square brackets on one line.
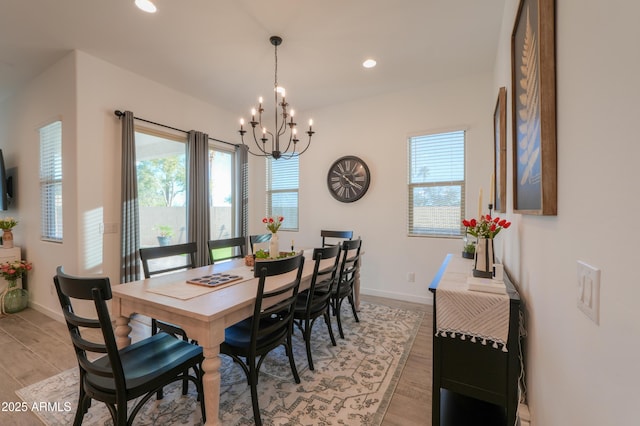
[(533, 95), (500, 152)]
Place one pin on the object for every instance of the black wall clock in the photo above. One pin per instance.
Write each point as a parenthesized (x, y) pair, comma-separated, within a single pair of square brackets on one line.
[(348, 179)]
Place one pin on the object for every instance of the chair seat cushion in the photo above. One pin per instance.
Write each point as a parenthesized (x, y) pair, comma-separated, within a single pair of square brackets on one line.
[(238, 336), (148, 364)]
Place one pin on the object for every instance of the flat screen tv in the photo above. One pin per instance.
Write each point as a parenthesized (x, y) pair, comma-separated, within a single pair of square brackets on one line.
[(5, 185)]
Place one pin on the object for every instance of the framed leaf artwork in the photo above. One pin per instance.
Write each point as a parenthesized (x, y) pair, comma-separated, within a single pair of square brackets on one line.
[(500, 152), (533, 97)]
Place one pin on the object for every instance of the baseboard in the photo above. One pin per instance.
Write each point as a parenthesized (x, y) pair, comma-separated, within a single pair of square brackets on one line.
[(56, 315), (427, 300)]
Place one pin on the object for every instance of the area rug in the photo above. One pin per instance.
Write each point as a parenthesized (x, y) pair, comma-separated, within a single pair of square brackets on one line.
[(352, 383)]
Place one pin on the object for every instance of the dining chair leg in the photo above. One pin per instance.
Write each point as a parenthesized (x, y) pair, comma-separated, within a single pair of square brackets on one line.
[(307, 340), (338, 316), (353, 307), (292, 361), (327, 320), (253, 384)]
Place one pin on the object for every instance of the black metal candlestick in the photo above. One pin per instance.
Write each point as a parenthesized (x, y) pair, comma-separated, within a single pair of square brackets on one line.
[(490, 208)]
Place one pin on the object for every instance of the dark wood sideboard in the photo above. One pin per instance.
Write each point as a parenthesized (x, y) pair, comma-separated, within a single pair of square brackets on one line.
[(472, 369)]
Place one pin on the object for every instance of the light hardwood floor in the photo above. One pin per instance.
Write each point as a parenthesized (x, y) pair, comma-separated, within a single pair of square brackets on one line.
[(34, 347)]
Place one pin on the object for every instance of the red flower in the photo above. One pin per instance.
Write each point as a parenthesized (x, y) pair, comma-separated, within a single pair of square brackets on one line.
[(502, 222), (473, 223), (466, 223), (506, 225), (264, 220), (496, 220), (488, 217), (493, 227), (280, 218)]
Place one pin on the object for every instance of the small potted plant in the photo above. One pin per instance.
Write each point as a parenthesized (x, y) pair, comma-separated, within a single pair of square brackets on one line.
[(165, 232)]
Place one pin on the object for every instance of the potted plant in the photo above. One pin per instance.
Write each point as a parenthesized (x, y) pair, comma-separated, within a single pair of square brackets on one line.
[(165, 232)]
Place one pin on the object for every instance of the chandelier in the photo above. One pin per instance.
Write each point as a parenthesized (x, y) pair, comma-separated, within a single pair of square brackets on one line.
[(284, 131)]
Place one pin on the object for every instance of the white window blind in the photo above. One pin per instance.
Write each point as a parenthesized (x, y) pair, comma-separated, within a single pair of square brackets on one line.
[(282, 191), (436, 184), (51, 182)]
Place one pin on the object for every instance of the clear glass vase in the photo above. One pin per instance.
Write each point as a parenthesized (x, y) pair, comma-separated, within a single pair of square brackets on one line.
[(15, 300)]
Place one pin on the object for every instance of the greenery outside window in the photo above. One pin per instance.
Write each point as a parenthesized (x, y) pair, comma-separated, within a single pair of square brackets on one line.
[(162, 185), (282, 191), (436, 184)]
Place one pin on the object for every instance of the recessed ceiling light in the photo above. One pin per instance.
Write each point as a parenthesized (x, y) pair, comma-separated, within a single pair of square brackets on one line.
[(369, 63), (146, 5)]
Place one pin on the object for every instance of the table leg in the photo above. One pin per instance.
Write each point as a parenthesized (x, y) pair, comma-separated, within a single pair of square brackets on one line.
[(211, 383), (123, 329)]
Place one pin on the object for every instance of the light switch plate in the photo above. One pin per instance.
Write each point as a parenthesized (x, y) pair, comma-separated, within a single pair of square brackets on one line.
[(589, 291)]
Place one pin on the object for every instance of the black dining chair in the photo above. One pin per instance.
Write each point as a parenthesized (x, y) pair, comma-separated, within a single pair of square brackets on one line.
[(136, 371), (248, 342), (346, 278), (329, 237), (257, 239), (238, 246), (162, 260), (315, 302)]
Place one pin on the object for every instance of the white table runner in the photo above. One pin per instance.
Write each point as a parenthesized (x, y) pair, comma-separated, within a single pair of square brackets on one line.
[(185, 290), (482, 317)]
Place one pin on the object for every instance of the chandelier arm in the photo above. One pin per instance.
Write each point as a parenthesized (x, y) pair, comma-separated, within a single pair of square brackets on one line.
[(306, 147), (255, 139)]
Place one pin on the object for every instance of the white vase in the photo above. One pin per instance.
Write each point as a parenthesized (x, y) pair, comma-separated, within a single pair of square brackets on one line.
[(274, 246), (483, 265)]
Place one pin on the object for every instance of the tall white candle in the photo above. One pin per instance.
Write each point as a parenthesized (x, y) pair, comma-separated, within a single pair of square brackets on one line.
[(480, 204)]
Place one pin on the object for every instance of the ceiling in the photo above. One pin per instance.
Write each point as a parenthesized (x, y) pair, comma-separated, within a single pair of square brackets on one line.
[(219, 50)]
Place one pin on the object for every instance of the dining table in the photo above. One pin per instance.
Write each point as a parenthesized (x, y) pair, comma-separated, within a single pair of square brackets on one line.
[(203, 312)]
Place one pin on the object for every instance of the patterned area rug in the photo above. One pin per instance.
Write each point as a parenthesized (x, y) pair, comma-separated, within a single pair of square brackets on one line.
[(352, 383)]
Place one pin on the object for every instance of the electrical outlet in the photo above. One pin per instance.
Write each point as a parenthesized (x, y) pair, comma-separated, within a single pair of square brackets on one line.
[(411, 277), (589, 291)]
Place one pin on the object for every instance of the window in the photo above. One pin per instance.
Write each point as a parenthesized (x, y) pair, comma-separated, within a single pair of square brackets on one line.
[(162, 187), (436, 184), (282, 191), (221, 190), (51, 182)]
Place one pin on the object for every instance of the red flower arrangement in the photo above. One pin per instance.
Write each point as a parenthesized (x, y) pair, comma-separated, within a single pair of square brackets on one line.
[(486, 227), (11, 271), (273, 224)]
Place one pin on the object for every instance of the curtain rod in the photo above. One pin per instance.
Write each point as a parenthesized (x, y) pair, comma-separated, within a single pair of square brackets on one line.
[(119, 114)]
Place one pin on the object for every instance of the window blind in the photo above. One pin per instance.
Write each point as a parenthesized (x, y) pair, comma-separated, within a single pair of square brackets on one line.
[(282, 190), (436, 184), (51, 182)]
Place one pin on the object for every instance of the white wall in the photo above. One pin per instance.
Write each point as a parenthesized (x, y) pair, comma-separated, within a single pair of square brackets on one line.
[(49, 97), (376, 130), (84, 92), (580, 373)]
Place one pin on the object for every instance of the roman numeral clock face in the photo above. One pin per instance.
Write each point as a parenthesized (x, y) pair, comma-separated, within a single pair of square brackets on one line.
[(348, 179)]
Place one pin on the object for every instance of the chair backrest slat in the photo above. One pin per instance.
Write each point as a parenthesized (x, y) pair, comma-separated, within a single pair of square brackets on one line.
[(350, 262), (98, 290), (189, 251), (257, 239), (342, 235), (232, 243), (279, 303)]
